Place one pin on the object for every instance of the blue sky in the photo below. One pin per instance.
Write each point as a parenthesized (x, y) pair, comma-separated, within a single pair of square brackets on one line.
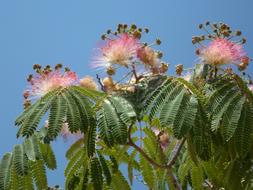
[(53, 31)]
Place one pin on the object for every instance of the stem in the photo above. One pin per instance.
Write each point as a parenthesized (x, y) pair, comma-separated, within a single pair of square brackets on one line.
[(150, 160), (174, 180), (135, 74), (100, 83), (176, 152)]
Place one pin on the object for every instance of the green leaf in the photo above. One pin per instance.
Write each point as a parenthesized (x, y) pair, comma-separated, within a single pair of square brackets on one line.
[(39, 174), (91, 141), (85, 109), (25, 182), (184, 170), (75, 163), (48, 155), (124, 109), (31, 147), (73, 114), (20, 160), (119, 181), (34, 114), (105, 168), (110, 125), (5, 169), (56, 116), (222, 108), (147, 172), (231, 117), (74, 148), (243, 140), (197, 178), (96, 174)]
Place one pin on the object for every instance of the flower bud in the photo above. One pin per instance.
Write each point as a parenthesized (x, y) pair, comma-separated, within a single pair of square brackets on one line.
[(111, 70), (245, 60), (179, 69), (242, 66), (158, 41), (238, 33)]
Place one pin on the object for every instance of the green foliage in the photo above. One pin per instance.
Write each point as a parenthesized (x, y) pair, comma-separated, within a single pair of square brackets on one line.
[(118, 180), (30, 118), (147, 172), (96, 173), (106, 171), (243, 140), (48, 156), (20, 160), (197, 177), (5, 171), (146, 129), (39, 174), (72, 105), (112, 120), (26, 165)]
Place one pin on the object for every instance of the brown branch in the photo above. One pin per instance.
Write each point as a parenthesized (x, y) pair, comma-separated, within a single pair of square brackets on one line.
[(174, 180), (100, 83), (176, 152), (150, 160), (172, 161), (134, 73)]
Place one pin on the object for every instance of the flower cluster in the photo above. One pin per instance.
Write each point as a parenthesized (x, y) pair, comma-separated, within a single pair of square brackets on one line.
[(88, 82), (48, 79), (123, 48), (221, 50), (163, 138), (65, 132)]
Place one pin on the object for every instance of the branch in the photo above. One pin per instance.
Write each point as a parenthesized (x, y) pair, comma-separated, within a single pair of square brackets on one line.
[(174, 180), (176, 152), (100, 83), (150, 160)]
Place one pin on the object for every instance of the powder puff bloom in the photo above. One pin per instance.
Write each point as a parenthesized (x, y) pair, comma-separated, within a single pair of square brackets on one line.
[(88, 82), (187, 76), (251, 88), (109, 84), (222, 51), (65, 132), (121, 51), (148, 56), (164, 139), (46, 82)]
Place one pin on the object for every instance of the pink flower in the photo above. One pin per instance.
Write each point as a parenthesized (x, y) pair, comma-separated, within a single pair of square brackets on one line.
[(66, 134), (88, 82), (148, 56), (164, 139), (222, 51), (119, 51), (251, 88), (45, 82), (187, 76)]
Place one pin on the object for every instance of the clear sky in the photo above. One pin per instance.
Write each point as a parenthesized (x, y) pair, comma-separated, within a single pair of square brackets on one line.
[(53, 31)]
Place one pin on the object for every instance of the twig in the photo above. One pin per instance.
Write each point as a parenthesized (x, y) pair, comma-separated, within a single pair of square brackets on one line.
[(176, 152), (134, 73), (100, 83), (175, 182), (150, 160)]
